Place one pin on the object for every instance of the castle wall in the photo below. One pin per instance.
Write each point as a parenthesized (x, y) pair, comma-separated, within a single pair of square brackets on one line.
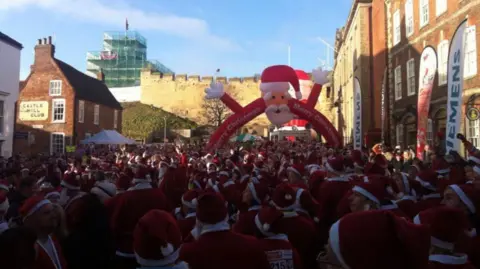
[(184, 95)]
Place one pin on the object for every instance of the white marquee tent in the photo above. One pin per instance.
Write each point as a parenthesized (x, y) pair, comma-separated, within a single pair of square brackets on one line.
[(108, 137)]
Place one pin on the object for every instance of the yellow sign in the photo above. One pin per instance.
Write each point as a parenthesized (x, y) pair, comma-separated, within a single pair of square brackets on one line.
[(71, 149), (33, 111), (473, 114)]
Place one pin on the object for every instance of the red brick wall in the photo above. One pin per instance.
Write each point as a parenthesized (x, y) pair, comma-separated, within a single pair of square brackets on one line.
[(379, 54), (37, 89), (106, 117)]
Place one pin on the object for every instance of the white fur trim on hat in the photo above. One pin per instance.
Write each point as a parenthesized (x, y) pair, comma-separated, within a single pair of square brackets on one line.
[(51, 194), (406, 184), (366, 193), (335, 243), (476, 169), (281, 86), (192, 204), (298, 95), (36, 208), (171, 258), (4, 206), (425, 184), (443, 171), (263, 228), (435, 241), (465, 199), (448, 259), (474, 159), (223, 173)]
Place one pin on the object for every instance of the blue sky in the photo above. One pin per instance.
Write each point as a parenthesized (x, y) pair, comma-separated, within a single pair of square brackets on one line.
[(241, 37)]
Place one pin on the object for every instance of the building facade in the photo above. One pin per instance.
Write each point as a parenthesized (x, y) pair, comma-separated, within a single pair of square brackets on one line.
[(122, 58), (9, 83), (60, 106), (354, 51), (412, 25)]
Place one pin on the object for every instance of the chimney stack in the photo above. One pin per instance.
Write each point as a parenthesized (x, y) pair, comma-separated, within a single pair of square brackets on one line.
[(44, 52), (101, 76)]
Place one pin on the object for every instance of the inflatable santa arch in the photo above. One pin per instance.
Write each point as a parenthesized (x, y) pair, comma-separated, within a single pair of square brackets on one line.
[(277, 103)]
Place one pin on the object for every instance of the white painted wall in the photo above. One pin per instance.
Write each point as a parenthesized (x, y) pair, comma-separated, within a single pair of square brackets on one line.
[(9, 84), (127, 94)]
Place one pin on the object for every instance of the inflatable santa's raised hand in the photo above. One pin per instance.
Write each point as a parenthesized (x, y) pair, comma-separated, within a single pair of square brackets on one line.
[(320, 76), (215, 91)]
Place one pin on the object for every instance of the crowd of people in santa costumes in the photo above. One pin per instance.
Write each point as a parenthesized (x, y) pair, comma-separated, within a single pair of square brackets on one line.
[(272, 205)]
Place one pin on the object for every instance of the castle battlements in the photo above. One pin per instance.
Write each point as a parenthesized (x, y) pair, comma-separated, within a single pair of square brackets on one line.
[(157, 77)]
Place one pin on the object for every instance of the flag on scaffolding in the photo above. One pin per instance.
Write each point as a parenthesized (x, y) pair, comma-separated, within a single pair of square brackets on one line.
[(108, 55), (126, 24)]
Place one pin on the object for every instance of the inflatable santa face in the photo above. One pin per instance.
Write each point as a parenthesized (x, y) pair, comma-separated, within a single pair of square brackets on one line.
[(276, 81)]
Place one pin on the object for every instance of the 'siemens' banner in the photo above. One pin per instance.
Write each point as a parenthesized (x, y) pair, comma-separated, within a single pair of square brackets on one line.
[(383, 103), (426, 76), (456, 59), (357, 115)]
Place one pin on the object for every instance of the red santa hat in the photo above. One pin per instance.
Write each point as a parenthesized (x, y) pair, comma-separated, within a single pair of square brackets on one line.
[(123, 182), (104, 189), (372, 188), (71, 181), (49, 191), (428, 179), (4, 185), (334, 164), (284, 197), (446, 225), (211, 208), (259, 191), (378, 239), (4, 204), (189, 199), (266, 220), (441, 166), (141, 175), (475, 157), (298, 169), (468, 195), (278, 78), (156, 239), (32, 205)]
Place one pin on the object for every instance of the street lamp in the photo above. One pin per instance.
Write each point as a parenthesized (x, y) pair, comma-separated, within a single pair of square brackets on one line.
[(164, 129)]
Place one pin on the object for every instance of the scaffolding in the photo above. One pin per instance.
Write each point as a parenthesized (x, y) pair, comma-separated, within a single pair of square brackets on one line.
[(123, 57)]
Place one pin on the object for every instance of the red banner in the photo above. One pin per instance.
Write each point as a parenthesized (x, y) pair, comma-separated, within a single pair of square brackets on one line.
[(426, 75)]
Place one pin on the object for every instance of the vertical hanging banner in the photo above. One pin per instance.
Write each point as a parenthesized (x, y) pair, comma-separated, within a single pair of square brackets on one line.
[(383, 103), (456, 59), (357, 115), (426, 76)]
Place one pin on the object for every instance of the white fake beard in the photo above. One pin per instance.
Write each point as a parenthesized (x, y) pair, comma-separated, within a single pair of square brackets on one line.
[(279, 118)]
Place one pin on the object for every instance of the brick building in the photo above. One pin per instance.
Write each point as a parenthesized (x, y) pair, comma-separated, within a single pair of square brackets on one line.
[(360, 51), (59, 105), (411, 26)]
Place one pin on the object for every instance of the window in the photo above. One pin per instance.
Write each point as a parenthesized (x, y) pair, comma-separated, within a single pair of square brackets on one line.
[(398, 82), (430, 133), (411, 77), (473, 131), (57, 143), (442, 62), (55, 88), (96, 114), (397, 35), (2, 117), (58, 110), (470, 52), (81, 111), (409, 18), (115, 119), (399, 132), (424, 12), (441, 7)]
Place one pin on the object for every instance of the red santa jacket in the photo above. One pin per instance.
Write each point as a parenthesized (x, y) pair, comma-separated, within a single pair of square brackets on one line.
[(128, 208), (187, 224), (449, 262), (246, 221), (408, 205), (303, 235), (280, 252), (44, 261), (224, 249), (429, 201)]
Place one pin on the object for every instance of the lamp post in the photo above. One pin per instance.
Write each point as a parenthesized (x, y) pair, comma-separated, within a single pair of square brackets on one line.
[(164, 129)]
